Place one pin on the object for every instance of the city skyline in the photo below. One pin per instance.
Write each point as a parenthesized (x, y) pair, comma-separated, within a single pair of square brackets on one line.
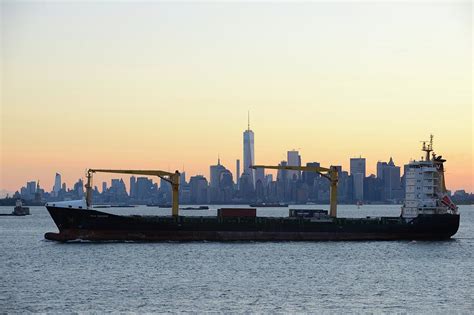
[(174, 88), (357, 166), (388, 186), (294, 156)]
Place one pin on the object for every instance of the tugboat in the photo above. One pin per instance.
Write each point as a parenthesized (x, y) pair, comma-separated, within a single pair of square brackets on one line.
[(19, 210), (428, 214)]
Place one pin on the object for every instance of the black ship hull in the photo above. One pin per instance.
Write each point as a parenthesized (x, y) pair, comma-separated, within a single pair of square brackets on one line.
[(92, 225)]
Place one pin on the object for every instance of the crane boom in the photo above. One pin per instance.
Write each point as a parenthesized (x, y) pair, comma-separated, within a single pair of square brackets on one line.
[(330, 173), (172, 178), (135, 172)]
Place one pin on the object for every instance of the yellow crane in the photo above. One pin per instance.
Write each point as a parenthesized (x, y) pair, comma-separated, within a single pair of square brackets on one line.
[(172, 178), (330, 173)]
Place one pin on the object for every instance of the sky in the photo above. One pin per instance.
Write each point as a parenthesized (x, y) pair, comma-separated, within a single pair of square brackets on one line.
[(160, 85)]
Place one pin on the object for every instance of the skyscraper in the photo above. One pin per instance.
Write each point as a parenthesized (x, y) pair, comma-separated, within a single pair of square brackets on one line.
[(259, 175), (358, 166), (390, 174), (249, 157), (165, 186), (182, 178), (198, 189), (294, 159), (31, 187), (282, 175), (308, 177), (358, 175), (79, 188), (380, 166), (268, 179), (237, 172), (215, 171), (117, 189), (226, 179), (144, 187), (57, 185), (133, 188)]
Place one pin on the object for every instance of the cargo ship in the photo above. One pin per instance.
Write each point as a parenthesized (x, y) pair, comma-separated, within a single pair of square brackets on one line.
[(427, 214)]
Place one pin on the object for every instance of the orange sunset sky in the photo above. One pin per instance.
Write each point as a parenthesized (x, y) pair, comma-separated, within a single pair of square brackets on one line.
[(161, 85)]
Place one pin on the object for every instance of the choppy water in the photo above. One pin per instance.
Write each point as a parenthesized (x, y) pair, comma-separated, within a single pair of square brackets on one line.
[(321, 277)]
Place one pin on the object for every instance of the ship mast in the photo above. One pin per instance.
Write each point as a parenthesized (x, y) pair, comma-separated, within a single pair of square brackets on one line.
[(428, 148)]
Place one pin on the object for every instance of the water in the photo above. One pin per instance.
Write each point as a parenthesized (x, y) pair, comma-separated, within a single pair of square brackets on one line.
[(291, 277)]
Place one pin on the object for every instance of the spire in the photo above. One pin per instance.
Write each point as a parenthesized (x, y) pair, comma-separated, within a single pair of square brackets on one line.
[(248, 120), (218, 159), (391, 162)]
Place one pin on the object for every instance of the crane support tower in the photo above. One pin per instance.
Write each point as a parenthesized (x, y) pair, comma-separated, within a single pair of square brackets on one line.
[(172, 178)]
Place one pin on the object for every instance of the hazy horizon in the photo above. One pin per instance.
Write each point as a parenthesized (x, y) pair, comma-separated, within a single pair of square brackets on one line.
[(165, 85)]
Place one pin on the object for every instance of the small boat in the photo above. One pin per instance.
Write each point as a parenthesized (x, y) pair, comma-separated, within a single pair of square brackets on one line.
[(157, 205), (195, 208), (268, 205), (20, 210)]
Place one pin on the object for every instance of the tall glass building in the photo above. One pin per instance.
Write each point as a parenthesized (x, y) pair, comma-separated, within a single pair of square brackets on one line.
[(249, 155)]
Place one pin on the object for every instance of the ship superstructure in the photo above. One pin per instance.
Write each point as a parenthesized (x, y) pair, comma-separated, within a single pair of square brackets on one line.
[(425, 191)]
